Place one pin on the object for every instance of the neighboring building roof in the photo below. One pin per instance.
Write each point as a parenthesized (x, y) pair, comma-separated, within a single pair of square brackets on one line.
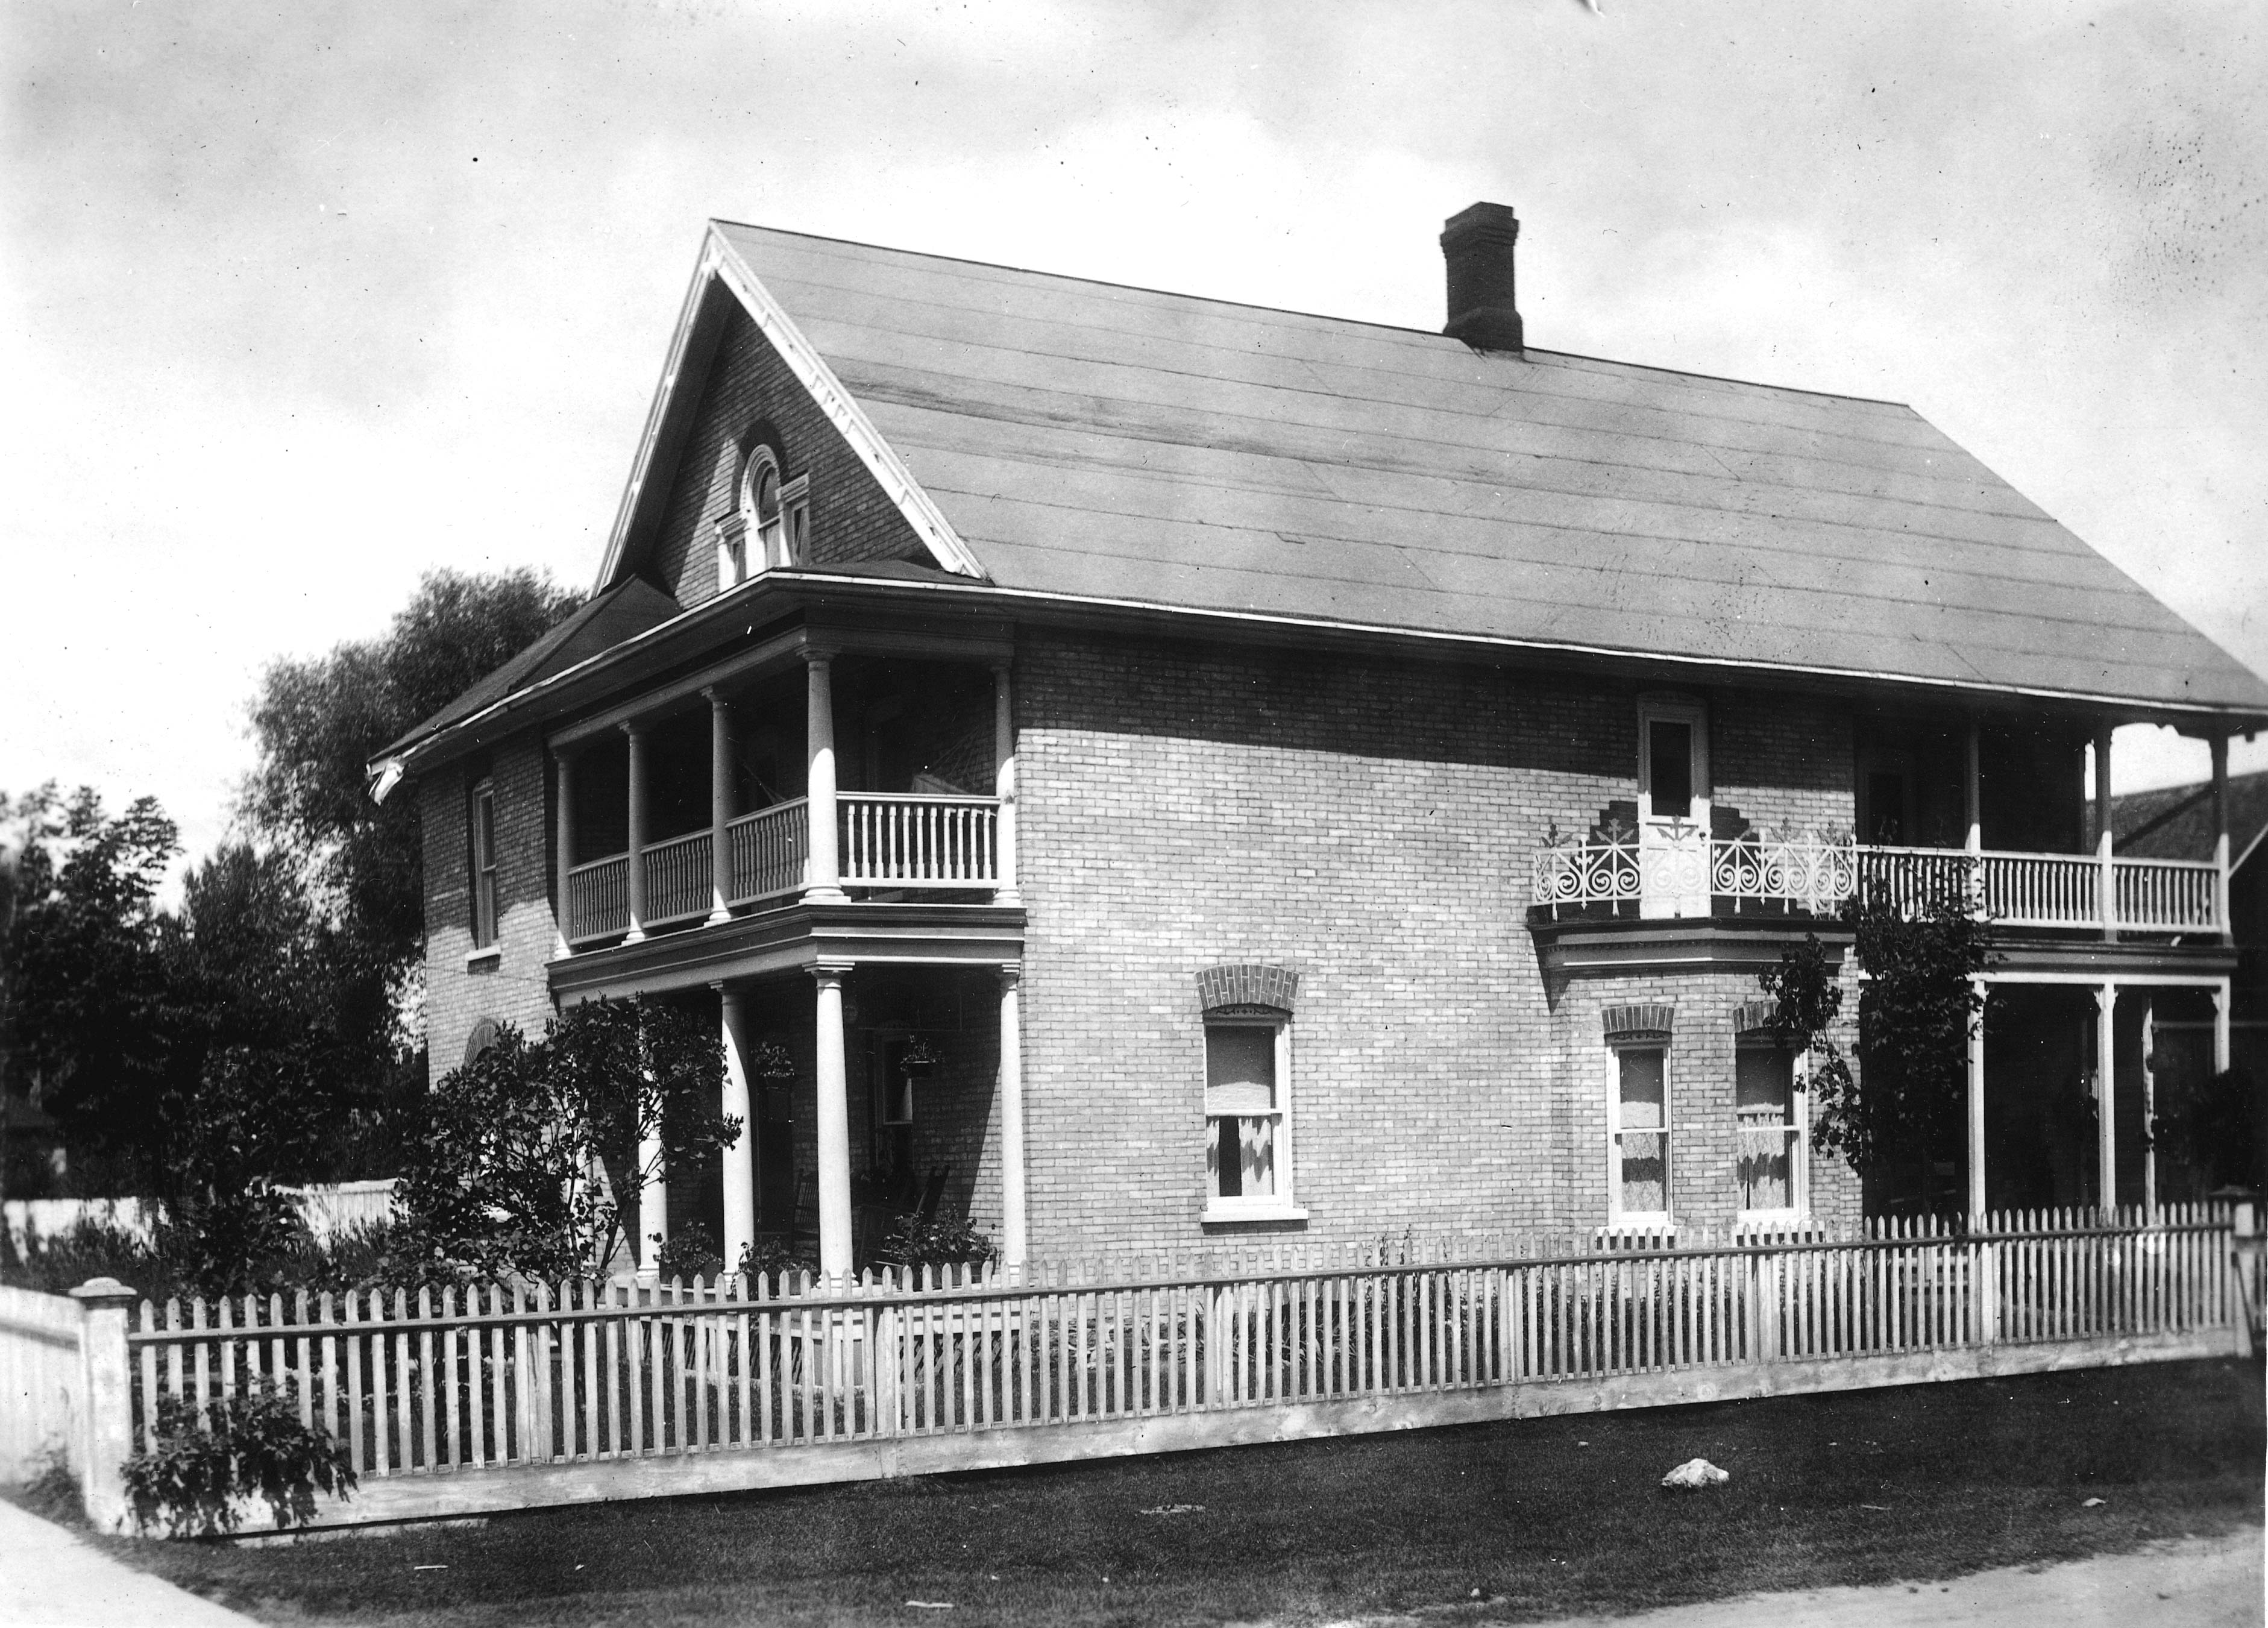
[(1095, 441), (623, 612), (2175, 822)]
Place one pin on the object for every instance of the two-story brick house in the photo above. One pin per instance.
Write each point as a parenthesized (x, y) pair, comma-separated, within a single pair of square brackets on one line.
[(1176, 770)]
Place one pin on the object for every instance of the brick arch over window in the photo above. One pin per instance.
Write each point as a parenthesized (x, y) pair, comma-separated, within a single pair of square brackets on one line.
[(1247, 986), (483, 1037), (1648, 1020)]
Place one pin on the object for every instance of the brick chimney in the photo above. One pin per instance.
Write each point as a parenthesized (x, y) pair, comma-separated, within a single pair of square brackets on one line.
[(1477, 244)]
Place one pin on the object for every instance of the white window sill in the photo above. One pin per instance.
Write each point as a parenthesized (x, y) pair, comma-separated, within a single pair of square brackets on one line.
[(475, 960), (1217, 1212)]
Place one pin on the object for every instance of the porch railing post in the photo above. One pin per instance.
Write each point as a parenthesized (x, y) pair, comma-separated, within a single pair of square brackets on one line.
[(2220, 746), (823, 883), (106, 1424), (2107, 880), (564, 832), (1004, 754), (720, 808), (634, 734)]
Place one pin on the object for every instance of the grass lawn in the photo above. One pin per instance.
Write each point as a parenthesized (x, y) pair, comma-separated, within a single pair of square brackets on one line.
[(1546, 1518)]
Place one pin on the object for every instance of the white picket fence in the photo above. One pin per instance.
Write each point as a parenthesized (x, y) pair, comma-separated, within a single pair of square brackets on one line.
[(459, 1399)]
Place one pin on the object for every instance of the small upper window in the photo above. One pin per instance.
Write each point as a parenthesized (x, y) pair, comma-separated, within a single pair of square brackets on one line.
[(484, 865), (777, 512)]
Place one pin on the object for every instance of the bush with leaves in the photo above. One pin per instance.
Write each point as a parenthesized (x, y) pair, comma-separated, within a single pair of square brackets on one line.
[(201, 1464), (1907, 1102), (936, 1240), (2216, 1127), (522, 1151)]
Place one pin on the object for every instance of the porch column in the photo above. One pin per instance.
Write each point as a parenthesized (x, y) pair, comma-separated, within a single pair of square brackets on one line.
[(2219, 744), (564, 835), (823, 881), (833, 1126), (720, 810), (1013, 1236), (2106, 881), (1004, 754), (636, 734), (653, 1188), (1976, 1100), (2149, 1108), (2220, 1016), (2106, 1098), (739, 1154), (1972, 794)]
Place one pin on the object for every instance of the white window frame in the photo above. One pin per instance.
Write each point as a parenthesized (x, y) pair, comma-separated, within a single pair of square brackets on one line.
[(1616, 1216), (1280, 1204), (1799, 1123), (487, 913), (761, 544), (795, 521)]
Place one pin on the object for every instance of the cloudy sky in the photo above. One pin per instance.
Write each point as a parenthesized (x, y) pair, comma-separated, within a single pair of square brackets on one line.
[(300, 302)]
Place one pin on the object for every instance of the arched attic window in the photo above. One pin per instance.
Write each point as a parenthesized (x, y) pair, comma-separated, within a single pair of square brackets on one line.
[(778, 510)]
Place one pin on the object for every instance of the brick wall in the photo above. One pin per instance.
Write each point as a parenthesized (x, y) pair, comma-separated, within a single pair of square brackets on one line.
[(1370, 826), (512, 985), (750, 393), (1784, 761)]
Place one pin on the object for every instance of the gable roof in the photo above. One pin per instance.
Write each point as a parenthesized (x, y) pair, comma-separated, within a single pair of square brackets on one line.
[(2175, 822), (1074, 438)]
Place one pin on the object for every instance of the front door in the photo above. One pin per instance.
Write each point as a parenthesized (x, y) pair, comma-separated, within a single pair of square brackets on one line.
[(1673, 810)]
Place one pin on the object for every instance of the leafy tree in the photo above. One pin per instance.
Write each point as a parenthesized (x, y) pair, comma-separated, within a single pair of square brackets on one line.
[(85, 992), (1907, 1102), (2216, 1127), (319, 721), (522, 1151)]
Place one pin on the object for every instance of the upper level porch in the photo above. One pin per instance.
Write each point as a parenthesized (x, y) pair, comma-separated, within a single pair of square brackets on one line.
[(1994, 817), (821, 768)]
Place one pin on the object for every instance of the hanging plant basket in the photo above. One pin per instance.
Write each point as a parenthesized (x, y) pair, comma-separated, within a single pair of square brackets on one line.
[(918, 1061)]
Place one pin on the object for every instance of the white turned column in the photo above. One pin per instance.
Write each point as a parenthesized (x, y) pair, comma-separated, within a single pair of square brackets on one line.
[(1977, 1196), (634, 734), (564, 835), (823, 883), (720, 811), (1014, 1236), (652, 1186), (2108, 881), (2106, 1097), (1003, 758), (2220, 1016), (739, 1155), (833, 1126), (2220, 747), (2149, 1106)]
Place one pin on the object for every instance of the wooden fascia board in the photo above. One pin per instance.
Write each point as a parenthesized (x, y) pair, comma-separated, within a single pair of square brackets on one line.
[(796, 939), (722, 267), (781, 650)]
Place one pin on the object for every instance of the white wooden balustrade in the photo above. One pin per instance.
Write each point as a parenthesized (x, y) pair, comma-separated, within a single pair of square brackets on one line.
[(1808, 873), (907, 841), (887, 840)]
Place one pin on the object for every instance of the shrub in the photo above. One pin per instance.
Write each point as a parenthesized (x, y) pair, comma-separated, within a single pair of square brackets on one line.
[(197, 1469), (691, 1252), (52, 1494), (940, 1240)]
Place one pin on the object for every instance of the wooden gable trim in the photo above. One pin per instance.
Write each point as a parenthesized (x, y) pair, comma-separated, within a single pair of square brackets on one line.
[(691, 348)]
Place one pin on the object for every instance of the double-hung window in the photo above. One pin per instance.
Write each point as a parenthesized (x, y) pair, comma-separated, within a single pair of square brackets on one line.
[(1768, 1109), (1639, 1128), (1247, 1092), (484, 865)]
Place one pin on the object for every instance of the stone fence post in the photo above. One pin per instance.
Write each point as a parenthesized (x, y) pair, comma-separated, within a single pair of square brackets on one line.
[(106, 1420)]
